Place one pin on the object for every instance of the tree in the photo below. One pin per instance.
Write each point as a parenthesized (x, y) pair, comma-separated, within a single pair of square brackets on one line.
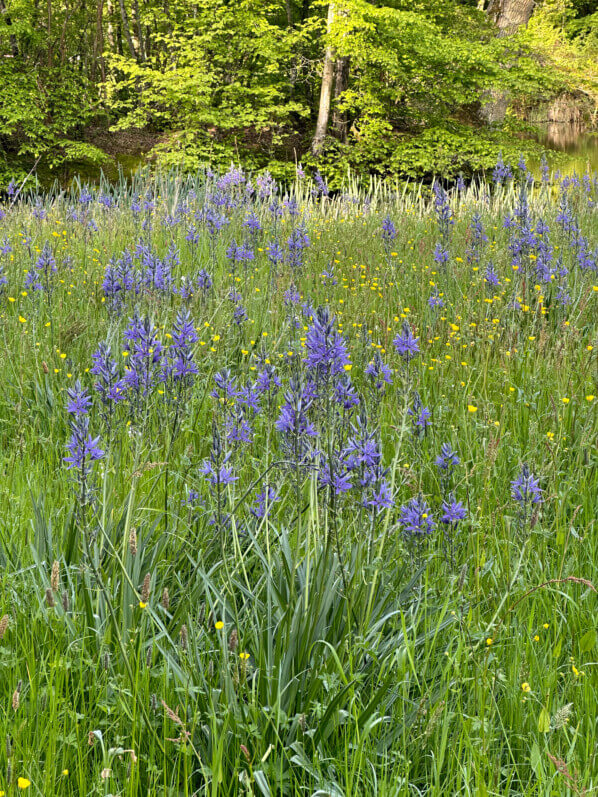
[(325, 88), (508, 16), (344, 82)]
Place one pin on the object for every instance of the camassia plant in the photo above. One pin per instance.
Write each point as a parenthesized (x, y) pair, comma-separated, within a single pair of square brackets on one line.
[(299, 487)]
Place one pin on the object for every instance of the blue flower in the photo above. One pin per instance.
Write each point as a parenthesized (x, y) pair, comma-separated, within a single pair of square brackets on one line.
[(226, 387), (338, 480), (406, 344), (326, 348), (526, 487), (297, 243), (264, 501), (345, 393), (420, 415), (252, 223), (447, 459), (441, 254), (362, 449), (389, 231), (490, 275), (379, 373), (79, 400), (218, 476), (501, 171), (452, 512), (321, 187), (416, 518), (267, 379), (381, 498), (82, 447)]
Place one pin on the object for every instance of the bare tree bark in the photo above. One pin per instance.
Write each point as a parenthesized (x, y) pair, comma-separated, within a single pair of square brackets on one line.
[(339, 118), (126, 28), (509, 16), (325, 90), (110, 28), (98, 44), (140, 40)]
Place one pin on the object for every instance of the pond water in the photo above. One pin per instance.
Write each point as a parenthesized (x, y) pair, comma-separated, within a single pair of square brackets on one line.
[(578, 148)]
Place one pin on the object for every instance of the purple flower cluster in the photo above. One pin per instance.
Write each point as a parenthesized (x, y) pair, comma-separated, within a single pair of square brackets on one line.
[(326, 348), (83, 449), (406, 343)]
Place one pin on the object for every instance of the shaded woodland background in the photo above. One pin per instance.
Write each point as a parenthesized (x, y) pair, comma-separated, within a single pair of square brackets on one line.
[(393, 88)]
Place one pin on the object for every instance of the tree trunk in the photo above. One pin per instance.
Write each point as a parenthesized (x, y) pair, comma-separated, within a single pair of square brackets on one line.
[(509, 16), (325, 90), (167, 15), (126, 29), (49, 10), (98, 44), (110, 28), (339, 118), (140, 41)]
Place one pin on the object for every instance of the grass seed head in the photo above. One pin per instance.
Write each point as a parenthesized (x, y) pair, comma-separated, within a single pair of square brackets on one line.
[(55, 577), (146, 588)]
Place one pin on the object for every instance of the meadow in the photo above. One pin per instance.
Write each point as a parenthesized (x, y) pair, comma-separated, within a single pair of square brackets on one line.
[(299, 490)]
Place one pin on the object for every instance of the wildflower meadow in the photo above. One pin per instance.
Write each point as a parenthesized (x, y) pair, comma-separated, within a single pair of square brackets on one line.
[(299, 488)]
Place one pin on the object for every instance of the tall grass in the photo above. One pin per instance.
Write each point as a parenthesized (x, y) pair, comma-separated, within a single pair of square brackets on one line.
[(164, 639)]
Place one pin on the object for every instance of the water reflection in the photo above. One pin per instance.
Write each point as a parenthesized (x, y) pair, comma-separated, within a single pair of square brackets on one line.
[(580, 145), (563, 136)]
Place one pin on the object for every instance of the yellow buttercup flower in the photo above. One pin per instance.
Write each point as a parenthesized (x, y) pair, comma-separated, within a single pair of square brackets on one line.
[(525, 687), (23, 783), (471, 408), (219, 625)]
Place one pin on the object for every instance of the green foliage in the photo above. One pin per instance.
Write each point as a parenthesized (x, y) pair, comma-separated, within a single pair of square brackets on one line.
[(451, 150), (571, 62), (242, 81), (408, 68), (46, 96), (220, 77)]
